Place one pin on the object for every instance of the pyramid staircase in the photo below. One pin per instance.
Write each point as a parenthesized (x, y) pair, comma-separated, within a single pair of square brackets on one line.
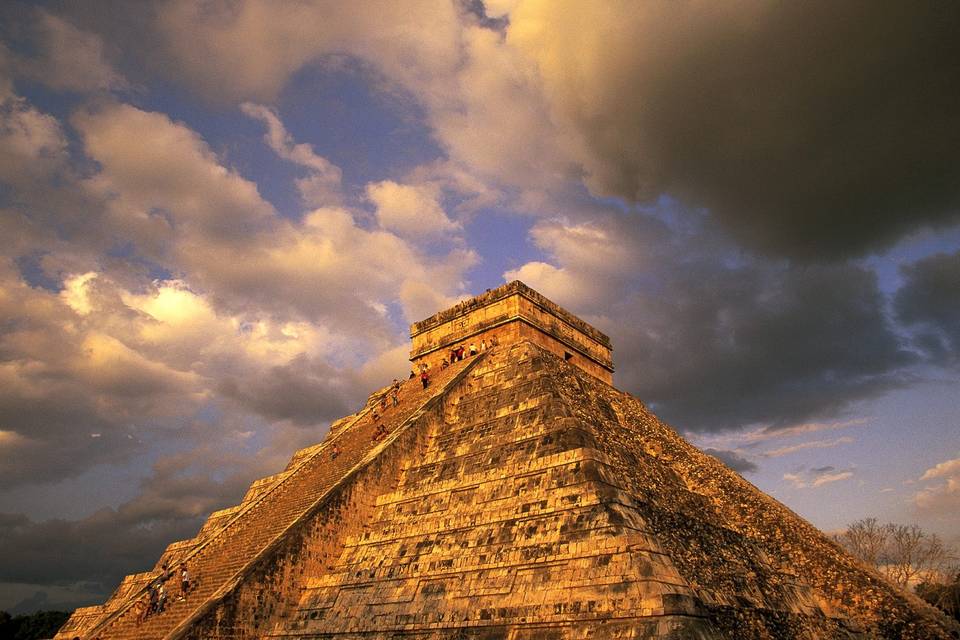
[(232, 540)]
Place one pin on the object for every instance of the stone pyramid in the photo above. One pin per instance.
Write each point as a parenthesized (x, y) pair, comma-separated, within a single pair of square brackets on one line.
[(518, 496)]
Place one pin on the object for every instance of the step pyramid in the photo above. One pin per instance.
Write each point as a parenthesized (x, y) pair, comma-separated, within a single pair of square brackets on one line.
[(519, 496)]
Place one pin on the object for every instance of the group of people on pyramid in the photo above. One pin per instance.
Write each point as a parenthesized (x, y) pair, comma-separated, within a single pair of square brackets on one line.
[(155, 600), (394, 394), (459, 352)]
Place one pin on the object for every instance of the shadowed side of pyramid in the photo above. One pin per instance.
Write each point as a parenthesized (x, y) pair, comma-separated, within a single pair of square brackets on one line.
[(758, 569)]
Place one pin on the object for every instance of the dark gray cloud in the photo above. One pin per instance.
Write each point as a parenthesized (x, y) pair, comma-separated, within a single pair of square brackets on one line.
[(110, 543), (811, 129), (75, 392), (54, 423), (721, 347), (716, 340), (733, 460), (125, 41), (929, 302), (305, 391), (100, 548)]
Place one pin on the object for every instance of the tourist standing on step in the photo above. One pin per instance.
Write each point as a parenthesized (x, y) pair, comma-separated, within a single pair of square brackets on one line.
[(184, 581), (473, 349), (154, 599), (425, 379), (161, 598)]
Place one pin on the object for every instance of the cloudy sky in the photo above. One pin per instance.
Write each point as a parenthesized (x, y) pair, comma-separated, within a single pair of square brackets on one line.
[(218, 219)]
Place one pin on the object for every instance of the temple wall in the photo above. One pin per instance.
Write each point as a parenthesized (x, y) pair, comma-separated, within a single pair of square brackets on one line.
[(462, 329), (506, 316), (563, 350)]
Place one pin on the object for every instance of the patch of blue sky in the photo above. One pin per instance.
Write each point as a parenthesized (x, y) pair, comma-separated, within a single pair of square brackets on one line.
[(345, 111), (912, 248), (59, 104), (398, 319), (31, 270), (237, 140), (369, 133), (503, 241), (906, 432), (127, 252)]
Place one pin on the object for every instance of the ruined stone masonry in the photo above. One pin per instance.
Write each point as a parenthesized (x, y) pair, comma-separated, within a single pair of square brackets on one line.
[(519, 497)]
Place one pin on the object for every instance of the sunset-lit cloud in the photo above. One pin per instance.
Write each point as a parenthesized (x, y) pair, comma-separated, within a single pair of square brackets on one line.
[(942, 470), (754, 436), (410, 211), (941, 495), (34, 146), (69, 58), (813, 444), (817, 477)]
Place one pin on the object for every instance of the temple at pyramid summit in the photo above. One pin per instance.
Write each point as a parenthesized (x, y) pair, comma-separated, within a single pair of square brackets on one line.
[(513, 313), (516, 496)]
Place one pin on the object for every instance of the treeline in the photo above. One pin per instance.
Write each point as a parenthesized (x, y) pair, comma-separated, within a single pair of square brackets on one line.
[(33, 626), (910, 557)]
